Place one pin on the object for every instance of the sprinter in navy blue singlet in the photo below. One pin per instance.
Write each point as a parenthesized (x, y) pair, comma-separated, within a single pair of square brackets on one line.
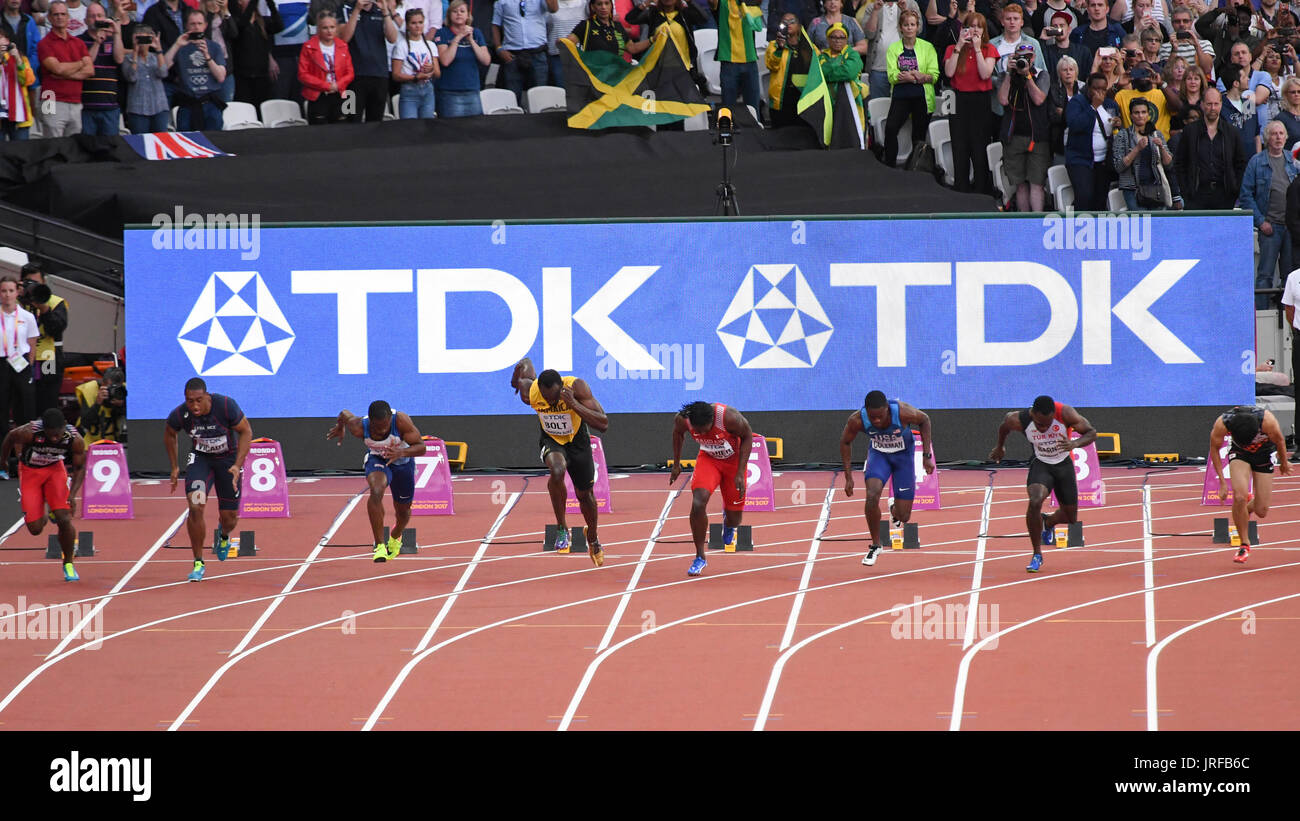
[(219, 439), (888, 426)]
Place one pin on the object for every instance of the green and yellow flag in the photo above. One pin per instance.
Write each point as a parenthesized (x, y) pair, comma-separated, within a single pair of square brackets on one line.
[(603, 91), (737, 23), (834, 110)]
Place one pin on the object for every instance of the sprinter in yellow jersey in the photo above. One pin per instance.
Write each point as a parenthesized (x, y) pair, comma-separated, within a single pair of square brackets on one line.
[(566, 410)]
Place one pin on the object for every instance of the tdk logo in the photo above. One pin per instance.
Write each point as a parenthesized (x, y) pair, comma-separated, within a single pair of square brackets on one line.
[(236, 328), (774, 320)]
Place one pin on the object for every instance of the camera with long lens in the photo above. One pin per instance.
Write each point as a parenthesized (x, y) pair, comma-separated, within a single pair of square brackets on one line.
[(34, 293), (1024, 57)]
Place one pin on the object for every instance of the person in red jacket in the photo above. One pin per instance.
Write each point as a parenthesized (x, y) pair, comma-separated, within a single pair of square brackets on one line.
[(325, 71)]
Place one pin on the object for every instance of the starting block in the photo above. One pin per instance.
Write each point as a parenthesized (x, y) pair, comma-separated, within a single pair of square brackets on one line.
[(85, 545), (1225, 532), (245, 544), (744, 538), (908, 538), (1071, 535), (409, 545), (577, 540)]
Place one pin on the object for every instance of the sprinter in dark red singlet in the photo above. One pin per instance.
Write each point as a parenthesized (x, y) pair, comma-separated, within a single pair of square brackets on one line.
[(725, 439), (1047, 426), (47, 444)]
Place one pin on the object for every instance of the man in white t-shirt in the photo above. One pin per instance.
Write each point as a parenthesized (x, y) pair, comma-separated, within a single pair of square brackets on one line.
[(880, 25), (1290, 297), (18, 334), (76, 17)]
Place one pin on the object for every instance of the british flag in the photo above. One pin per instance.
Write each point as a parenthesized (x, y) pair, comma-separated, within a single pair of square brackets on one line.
[(173, 145)]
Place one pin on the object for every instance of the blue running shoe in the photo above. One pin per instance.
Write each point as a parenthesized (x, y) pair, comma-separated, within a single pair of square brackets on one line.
[(1035, 564), (196, 575), (697, 567), (222, 547), (562, 539), (70, 573), (1049, 536), (729, 539)]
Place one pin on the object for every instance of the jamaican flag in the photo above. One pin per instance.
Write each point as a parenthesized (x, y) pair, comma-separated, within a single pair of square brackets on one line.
[(737, 23), (834, 110), (603, 91)]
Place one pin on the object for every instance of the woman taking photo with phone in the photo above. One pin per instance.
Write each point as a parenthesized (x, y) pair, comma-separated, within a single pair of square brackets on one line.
[(144, 67)]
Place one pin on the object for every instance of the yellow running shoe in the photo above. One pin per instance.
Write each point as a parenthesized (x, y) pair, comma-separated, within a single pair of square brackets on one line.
[(394, 546), (381, 553), (595, 551)]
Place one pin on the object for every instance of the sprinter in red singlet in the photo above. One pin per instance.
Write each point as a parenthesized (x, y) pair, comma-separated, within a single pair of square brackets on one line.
[(46, 444), (1047, 426), (725, 439)]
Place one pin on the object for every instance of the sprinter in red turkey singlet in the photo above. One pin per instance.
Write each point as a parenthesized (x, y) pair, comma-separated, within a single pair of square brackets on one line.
[(1047, 426), (725, 439)]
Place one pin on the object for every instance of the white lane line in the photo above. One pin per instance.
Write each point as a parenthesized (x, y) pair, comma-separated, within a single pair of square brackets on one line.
[(793, 620), (266, 614), (978, 578), (963, 672), (13, 528), (636, 574), (469, 571), (1148, 572), (1153, 657)]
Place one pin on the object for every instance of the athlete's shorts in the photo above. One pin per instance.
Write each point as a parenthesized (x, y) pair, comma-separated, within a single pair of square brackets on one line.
[(401, 478), (718, 474), (38, 487), (1058, 477), (205, 472), (1261, 461), (900, 464), (577, 458)]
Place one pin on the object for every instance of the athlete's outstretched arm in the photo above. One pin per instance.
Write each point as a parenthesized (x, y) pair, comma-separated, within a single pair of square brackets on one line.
[(909, 415), (851, 430), (410, 435), (78, 457), (20, 435), (1087, 434), (522, 379), (679, 435), (581, 400), (346, 422), (1010, 422), (738, 425), (1274, 432)]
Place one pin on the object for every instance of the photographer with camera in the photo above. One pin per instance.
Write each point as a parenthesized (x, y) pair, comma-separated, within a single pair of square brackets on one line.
[(51, 313), (1026, 142), (200, 71), (145, 69), (18, 334), (1225, 26), (788, 59), (103, 407), (1056, 44), (1186, 44)]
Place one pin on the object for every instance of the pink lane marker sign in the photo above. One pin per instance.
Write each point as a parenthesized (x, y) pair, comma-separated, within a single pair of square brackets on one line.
[(433, 496), (264, 489), (604, 503), (760, 493), (106, 493), (1087, 474), (927, 484)]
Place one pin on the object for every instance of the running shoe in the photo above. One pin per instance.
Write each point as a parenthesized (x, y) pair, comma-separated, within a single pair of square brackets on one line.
[(196, 575), (394, 547), (893, 516), (697, 567), (562, 538), (1049, 535), (1035, 564), (70, 573), (381, 553), (728, 538), (1243, 553), (222, 547), (870, 558), (594, 550)]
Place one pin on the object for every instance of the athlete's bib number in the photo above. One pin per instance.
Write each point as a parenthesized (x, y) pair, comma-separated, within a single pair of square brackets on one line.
[(263, 478), (718, 450), (557, 424), (106, 473), (887, 443), (211, 444)]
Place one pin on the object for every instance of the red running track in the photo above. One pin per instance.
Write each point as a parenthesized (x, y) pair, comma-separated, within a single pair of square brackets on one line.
[(483, 630)]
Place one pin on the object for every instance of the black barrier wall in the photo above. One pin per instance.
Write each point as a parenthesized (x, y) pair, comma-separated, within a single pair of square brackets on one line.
[(511, 442)]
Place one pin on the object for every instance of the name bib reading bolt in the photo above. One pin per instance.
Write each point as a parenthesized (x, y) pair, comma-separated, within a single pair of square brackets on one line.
[(557, 424)]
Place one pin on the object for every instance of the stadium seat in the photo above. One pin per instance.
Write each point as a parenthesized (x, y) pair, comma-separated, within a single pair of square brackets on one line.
[(1057, 179), (239, 116), (1115, 199), (390, 110), (877, 111), (545, 98), (941, 142), (281, 113), (710, 67), (706, 40), (499, 101), (121, 125), (490, 78), (1064, 196)]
